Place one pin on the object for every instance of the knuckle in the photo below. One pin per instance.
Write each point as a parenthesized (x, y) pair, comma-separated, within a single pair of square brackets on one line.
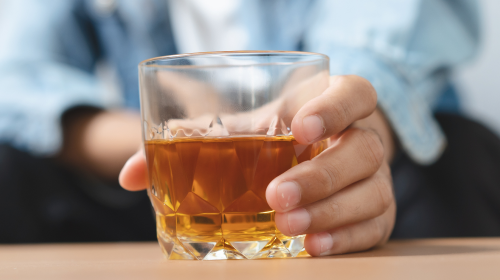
[(360, 91), (380, 232), (326, 181), (370, 94), (334, 211), (322, 178), (372, 147), (328, 177), (384, 192), (342, 112), (365, 89)]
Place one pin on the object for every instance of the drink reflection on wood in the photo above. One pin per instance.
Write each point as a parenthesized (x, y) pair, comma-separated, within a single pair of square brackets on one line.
[(209, 195)]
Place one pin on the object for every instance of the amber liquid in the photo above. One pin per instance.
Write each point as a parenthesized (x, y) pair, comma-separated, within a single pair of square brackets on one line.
[(207, 189)]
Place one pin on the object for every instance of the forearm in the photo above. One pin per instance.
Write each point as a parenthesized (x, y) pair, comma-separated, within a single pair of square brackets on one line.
[(100, 142)]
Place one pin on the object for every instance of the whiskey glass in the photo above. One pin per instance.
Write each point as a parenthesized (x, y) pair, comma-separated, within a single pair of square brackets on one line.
[(217, 130)]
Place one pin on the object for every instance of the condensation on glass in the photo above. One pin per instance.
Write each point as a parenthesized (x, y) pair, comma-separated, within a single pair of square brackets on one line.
[(217, 130)]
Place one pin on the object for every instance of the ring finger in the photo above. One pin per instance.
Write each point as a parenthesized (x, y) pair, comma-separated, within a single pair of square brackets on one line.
[(352, 238), (363, 200)]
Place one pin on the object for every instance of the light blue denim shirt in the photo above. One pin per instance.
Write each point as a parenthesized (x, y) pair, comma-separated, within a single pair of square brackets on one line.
[(406, 48)]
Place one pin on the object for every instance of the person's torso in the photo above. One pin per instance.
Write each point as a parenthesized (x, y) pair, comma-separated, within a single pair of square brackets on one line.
[(127, 32)]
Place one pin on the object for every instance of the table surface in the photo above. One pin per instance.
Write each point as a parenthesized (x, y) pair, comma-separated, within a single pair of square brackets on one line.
[(471, 258)]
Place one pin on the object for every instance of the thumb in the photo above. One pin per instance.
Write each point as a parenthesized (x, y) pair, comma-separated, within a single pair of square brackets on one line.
[(134, 174)]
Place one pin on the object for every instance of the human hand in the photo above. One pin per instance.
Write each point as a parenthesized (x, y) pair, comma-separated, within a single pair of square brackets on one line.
[(342, 199), (100, 142)]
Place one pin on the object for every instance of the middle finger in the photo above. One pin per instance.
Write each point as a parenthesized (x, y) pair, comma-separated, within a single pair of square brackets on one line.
[(361, 201), (357, 154)]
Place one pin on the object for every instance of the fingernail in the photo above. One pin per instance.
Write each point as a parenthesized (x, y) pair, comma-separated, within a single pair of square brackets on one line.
[(298, 221), (326, 243), (313, 127), (288, 195)]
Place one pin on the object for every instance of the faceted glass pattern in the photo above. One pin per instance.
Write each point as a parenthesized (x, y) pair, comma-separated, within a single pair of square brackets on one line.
[(217, 131), (209, 196)]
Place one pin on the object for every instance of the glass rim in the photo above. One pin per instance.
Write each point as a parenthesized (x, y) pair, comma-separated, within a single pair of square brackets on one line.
[(144, 63)]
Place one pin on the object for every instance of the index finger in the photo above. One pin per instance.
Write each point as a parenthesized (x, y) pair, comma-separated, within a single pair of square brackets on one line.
[(348, 99)]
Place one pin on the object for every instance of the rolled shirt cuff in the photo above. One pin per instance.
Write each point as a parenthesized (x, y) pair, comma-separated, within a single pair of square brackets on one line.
[(405, 105)]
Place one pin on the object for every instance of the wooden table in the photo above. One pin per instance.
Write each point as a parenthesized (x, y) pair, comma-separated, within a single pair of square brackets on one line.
[(413, 259)]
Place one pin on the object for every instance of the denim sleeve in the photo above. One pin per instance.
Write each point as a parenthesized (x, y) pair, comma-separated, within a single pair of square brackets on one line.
[(38, 77), (406, 50)]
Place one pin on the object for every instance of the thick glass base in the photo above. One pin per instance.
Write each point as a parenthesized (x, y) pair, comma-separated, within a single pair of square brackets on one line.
[(285, 247)]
